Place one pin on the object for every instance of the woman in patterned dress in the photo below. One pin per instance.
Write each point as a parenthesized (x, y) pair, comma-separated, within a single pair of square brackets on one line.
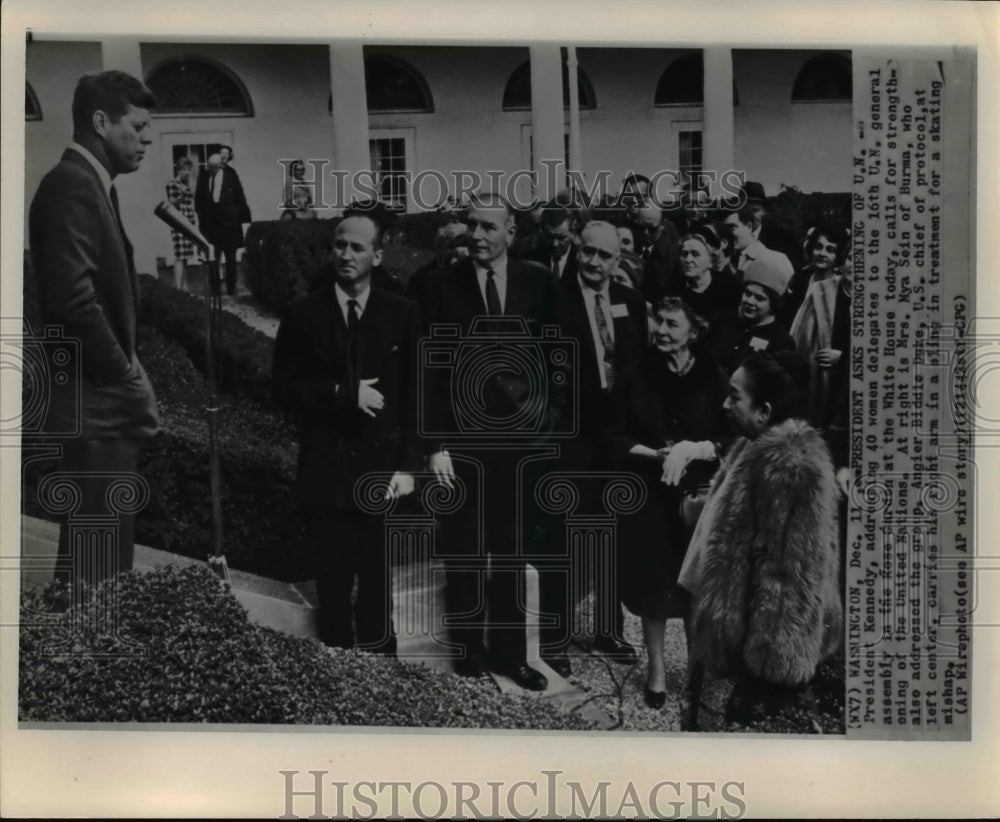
[(181, 197)]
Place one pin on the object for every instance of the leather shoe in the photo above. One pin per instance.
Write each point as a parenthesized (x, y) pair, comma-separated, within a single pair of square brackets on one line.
[(655, 699), (617, 650), (524, 676), (558, 662)]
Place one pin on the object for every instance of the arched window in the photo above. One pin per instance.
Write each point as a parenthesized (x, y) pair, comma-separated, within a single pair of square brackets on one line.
[(394, 85), (195, 85), (683, 83), (826, 78), (32, 111), (517, 93)]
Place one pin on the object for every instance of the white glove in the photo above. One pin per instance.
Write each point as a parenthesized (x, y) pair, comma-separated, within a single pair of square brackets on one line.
[(440, 464), (680, 455), (400, 485)]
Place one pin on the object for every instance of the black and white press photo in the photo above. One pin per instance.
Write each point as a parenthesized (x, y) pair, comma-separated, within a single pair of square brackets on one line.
[(601, 389)]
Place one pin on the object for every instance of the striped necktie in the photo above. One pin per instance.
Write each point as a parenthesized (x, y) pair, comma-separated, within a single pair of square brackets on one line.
[(606, 341)]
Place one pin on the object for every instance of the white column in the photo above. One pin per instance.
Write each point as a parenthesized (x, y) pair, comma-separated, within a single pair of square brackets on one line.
[(141, 190), (547, 119), (717, 117), (350, 113), (575, 160)]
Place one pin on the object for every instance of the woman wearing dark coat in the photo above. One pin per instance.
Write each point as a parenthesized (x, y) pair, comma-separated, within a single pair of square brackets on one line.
[(707, 292), (763, 562), (669, 423), (754, 326)]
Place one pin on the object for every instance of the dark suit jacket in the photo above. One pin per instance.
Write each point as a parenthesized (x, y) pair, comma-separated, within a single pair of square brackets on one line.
[(663, 263), (453, 297), (338, 443), (222, 222), (595, 408), (541, 253), (88, 287), (781, 239)]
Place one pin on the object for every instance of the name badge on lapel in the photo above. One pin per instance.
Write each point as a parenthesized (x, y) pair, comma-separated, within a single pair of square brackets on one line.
[(757, 344), (619, 310)]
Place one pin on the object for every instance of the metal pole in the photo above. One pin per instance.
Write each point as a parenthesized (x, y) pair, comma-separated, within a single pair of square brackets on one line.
[(574, 109), (213, 366)]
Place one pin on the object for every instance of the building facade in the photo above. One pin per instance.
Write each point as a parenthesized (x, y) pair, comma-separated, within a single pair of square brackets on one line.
[(783, 117)]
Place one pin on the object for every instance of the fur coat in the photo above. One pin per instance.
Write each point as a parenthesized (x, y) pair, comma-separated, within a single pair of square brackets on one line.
[(763, 564)]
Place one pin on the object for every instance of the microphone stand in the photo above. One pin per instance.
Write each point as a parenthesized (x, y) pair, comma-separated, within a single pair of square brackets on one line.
[(213, 368)]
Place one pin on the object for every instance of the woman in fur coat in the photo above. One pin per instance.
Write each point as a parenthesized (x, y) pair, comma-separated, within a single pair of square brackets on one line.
[(762, 566)]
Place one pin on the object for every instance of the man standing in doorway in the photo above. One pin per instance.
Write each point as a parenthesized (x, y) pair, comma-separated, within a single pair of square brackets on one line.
[(222, 210)]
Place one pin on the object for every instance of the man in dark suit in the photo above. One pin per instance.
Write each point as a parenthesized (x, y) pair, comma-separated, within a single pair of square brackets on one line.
[(661, 248), (608, 322), (88, 287), (771, 235), (222, 210), (552, 244), (487, 284), (345, 362)]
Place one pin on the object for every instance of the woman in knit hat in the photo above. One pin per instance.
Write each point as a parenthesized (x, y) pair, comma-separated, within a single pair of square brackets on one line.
[(753, 328)]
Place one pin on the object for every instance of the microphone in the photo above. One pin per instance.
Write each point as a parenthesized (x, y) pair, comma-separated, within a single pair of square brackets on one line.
[(178, 222)]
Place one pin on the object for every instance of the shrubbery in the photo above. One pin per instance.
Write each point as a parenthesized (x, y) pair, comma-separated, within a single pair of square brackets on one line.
[(204, 661), (179, 316), (262, 529), (283, 256), (796, 211)]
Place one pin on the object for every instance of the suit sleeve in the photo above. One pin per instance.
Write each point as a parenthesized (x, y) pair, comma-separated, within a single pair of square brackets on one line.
[(242, 208), (295, 385), (65, 232), (435, 383), (412, 445)]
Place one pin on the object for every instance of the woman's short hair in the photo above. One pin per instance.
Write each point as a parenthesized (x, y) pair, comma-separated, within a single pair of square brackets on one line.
[(699, 325), (703, 235), (779, 379), (834, 233)]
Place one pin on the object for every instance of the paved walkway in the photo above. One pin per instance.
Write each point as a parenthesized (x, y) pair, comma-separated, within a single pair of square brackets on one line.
[(418, 596)]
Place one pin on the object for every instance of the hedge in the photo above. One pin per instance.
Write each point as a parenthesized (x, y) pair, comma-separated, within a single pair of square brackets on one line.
[(285, 258), (246, 355), (261, 526), (205, 662)]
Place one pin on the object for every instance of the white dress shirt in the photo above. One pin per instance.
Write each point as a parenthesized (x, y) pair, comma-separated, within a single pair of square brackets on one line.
[(102, 172), (343, 297)]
